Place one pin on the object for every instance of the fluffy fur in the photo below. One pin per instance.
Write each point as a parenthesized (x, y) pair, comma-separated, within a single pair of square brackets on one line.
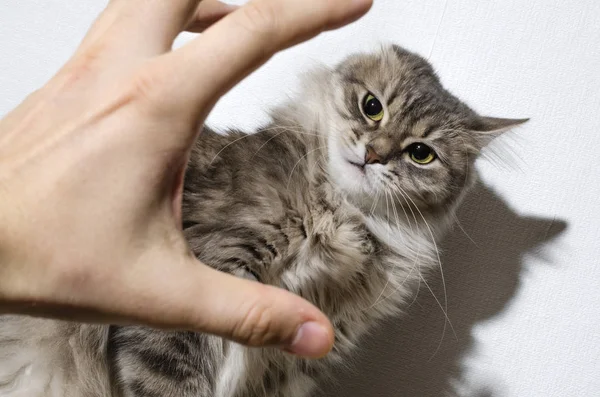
[(294, 205)]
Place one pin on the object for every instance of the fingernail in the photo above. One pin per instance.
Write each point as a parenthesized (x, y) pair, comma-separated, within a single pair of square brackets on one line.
[(235, 3), (312, 340)]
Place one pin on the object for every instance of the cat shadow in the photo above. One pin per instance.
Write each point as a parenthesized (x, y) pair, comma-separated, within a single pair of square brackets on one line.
[(409, 356)]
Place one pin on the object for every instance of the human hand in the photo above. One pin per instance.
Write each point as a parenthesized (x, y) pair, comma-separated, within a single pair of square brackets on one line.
[(92, 165)]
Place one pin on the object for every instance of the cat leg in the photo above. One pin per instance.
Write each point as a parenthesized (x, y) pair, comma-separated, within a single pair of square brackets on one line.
[(151, 363)]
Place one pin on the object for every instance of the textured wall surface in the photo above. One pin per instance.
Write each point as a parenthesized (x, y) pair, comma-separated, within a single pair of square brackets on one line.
[(524, 287)]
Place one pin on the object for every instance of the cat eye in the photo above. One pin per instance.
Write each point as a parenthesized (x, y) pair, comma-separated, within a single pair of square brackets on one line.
[(373, 108), (421, 153)]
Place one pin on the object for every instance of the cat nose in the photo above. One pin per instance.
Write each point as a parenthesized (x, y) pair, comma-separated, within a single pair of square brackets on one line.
[(371, 157)]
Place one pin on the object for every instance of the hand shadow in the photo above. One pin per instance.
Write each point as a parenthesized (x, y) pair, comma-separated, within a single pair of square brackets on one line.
[(407, 355)]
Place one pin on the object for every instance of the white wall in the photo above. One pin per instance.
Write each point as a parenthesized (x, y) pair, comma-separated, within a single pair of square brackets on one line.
[(524, 296)]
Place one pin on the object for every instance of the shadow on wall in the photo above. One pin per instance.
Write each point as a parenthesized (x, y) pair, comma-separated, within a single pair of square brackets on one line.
[(481, 275)]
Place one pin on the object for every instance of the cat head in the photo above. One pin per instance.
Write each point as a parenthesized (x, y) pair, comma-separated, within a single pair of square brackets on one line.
[(394, 133)]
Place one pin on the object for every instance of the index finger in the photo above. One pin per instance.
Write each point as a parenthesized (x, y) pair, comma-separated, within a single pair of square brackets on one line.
[(146, 28), (195, 75)]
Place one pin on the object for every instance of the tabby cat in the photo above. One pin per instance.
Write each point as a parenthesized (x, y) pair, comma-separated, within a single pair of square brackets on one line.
[(340, 199)]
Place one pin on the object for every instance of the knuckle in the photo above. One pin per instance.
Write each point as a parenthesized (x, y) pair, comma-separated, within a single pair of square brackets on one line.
[(259, 18), (85, 64), (146, 85), (257, 328)]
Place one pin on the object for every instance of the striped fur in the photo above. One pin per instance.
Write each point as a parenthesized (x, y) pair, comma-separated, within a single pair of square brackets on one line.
[(285, 206)]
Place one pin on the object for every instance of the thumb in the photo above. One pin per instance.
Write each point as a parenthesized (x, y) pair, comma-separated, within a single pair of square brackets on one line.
[(201, 298)]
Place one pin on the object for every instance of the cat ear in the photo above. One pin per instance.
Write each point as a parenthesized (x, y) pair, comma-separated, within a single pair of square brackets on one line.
[(488, 128)]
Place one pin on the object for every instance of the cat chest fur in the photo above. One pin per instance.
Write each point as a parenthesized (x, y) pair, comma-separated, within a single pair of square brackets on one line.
[(286, 225), (338, 264), (331, 200)]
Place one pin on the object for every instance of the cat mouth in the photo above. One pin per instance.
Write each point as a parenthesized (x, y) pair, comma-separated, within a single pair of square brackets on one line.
[(361, 167)]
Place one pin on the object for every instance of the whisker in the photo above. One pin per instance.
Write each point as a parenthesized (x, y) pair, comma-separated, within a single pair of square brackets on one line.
[(404, 210), (396, 215), (375, 202), (387, 214), (394, 210), (298, 162), (445, 307), (379, 297), (226, 146), (288, 128), (416, 265), (445, 322), (264, 144), (416, 293), (457, 221), (409, 206)]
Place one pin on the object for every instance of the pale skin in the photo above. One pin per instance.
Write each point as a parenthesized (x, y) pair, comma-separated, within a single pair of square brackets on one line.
[(92, 164)]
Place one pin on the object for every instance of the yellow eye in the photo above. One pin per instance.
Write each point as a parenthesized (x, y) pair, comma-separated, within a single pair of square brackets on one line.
[(421, 153), (373, 108)]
